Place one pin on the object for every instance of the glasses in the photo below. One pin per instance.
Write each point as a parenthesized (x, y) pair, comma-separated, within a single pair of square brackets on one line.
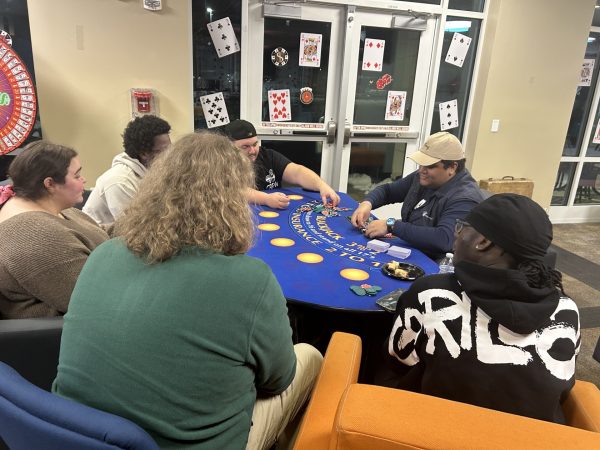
[(460, 224)]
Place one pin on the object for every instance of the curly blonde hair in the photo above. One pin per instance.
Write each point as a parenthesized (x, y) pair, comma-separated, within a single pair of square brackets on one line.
[(194, 194)]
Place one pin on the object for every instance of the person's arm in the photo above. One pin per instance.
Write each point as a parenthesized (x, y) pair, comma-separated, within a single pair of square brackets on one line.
[(118, 196), (303, 176), (271, 351), (276, 200)]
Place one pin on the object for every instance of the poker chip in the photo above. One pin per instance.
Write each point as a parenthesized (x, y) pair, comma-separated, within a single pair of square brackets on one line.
[(306, 96), (365, 289), (279, 56)]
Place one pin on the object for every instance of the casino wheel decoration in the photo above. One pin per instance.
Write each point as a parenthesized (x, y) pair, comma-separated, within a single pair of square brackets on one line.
[(279, 56), (17, 98)]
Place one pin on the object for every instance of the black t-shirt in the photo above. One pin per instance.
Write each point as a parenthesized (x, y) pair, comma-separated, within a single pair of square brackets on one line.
[(269, 167)]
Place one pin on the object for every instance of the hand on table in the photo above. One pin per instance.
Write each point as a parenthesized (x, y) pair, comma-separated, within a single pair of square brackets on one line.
[(376, 228), (277, 200), (328, 193), (361, 214)]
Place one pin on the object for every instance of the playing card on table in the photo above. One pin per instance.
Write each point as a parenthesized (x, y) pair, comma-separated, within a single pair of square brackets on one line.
[(310, 49), (448, 115), (373, 55), (394, 110), (458, 49), (223, 37), (587, 70), (215, 111), (279, 105)]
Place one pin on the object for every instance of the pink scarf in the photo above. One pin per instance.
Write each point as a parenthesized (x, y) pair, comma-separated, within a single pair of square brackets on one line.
[(6, 192)]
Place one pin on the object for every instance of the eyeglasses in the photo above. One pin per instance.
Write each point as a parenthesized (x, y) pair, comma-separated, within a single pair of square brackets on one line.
[(460, 224)]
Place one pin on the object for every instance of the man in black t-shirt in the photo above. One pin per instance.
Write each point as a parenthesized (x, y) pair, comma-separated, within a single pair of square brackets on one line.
[(272, 168)]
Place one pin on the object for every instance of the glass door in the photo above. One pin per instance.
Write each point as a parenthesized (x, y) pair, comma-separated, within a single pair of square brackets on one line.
[(341, 89)]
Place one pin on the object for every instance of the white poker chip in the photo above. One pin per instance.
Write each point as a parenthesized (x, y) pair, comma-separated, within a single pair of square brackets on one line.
[(6, 37), (279, 56)]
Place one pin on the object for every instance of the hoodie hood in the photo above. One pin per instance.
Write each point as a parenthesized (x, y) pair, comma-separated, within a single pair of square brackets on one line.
[(134, 164), (505, 296)]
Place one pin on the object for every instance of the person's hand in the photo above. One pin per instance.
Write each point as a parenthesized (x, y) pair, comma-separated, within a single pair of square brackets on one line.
[(277, 200), (376, 228), (328, 193), (361, 214)]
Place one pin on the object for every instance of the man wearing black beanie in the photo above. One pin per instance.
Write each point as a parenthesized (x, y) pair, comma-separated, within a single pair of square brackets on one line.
[(500, 332)]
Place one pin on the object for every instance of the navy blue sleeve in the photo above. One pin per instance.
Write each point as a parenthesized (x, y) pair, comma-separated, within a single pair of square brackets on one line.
[(393, 192)]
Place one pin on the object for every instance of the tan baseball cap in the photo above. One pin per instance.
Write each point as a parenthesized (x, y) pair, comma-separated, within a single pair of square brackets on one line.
[(439, 146)]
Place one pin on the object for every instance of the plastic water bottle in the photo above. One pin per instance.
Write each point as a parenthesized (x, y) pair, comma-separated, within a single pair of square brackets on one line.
[(446, 265)]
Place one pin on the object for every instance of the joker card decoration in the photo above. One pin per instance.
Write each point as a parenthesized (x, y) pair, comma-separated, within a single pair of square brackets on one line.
[(394, 109), (279, 105), (223, 37), (215, 111), (373, 55), (310, 49)]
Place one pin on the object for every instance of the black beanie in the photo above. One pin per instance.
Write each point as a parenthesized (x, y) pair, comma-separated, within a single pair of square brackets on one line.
[(515, 223), (239, 129)]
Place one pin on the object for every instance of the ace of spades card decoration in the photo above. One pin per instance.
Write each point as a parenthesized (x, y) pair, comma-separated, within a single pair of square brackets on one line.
[(458, 49), (394, 110), (373, 55), (310, 49), (215, 111), (448, 115), (223, 37), (280, 108)]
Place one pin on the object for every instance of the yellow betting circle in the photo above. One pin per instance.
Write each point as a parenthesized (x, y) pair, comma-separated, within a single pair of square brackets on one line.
[(295, 197), (282, 242), (269, 214), (309, 258), (268, 227), (354, 274)]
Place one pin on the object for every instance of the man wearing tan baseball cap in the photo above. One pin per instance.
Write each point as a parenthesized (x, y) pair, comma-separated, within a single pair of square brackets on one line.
[(433, 197)]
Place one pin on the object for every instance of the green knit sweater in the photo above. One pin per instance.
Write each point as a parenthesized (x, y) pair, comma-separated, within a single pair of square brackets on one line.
[(179, 347)]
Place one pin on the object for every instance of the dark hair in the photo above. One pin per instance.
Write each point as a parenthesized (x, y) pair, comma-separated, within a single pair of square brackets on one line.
[(39, 160), (460, 164), (138, 137), (539, 275)]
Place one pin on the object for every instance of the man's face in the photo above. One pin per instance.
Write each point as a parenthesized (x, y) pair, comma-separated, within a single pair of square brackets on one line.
[(159, 144), (465, 243), (250, 146), (435, 175)]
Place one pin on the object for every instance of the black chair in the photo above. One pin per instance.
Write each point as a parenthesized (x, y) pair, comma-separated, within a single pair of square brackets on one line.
[(31, 347)]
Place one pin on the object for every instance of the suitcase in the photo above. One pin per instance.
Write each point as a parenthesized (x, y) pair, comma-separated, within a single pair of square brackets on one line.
[(514, 185)]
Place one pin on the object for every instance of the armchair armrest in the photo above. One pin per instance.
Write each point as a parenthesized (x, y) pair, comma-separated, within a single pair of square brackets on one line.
[(340, 369), (375, 417), (582, 407)]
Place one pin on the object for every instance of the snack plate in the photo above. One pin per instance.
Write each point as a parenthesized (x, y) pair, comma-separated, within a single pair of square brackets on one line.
[(413, 271)]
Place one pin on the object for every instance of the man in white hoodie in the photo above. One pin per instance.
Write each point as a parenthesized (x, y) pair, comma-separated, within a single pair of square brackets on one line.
[(143, 139)]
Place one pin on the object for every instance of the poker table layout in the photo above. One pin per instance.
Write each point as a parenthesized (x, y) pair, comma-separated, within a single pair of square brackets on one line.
[(317, 258)]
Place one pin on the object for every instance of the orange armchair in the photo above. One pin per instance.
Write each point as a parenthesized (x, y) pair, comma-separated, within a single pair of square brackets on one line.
[(345, 415)]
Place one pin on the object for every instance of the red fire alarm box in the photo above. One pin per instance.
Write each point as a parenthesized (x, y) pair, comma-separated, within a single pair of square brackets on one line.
[(143, 102)]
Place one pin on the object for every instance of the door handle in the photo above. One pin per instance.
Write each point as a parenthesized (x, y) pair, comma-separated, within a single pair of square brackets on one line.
[(331, 129), (347, 132)]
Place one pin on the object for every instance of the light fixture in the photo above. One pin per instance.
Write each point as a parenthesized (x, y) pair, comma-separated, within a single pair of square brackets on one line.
[(458, 26)]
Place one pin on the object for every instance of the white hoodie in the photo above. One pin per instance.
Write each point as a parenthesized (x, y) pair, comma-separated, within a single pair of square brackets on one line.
[(114, 189)]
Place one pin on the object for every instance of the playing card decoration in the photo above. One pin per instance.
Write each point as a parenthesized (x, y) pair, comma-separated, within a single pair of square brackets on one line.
[(215, 111), (306, 96), (458, 49), (223, 37), (596, 139), (587, 69), (448, 115), (394, 109), (310, 49), (373, 55), (384, 81), (279, 56), (279, 105)]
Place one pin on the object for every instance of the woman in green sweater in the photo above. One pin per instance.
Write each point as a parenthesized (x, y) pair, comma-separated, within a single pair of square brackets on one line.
[(173, 327)]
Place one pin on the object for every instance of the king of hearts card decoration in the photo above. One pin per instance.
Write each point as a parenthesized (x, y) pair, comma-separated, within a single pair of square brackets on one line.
[(18, 103)]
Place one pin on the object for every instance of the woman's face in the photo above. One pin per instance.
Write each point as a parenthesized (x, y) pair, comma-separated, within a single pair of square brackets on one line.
[(70, 192)]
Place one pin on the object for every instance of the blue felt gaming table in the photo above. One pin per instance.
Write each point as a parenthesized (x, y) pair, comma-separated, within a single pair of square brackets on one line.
[(283, 235)]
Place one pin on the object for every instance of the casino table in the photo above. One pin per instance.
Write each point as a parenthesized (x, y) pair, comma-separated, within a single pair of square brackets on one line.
[(317, 258)]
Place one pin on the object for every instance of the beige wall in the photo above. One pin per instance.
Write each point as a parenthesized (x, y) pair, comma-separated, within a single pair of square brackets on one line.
[(89, 53), (531, 59)]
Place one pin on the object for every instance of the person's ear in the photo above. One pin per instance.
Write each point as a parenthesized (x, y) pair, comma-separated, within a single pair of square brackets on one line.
[(49, 184), (483, 244)]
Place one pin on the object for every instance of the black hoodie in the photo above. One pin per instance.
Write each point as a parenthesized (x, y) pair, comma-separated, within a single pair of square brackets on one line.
[(484, 336)]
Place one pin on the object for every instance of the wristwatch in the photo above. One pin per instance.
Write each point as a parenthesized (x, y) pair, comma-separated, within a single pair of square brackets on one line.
[(390, 224)]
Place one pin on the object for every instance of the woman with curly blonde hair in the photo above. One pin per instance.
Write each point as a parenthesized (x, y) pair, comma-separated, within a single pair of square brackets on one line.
[(179, 330)]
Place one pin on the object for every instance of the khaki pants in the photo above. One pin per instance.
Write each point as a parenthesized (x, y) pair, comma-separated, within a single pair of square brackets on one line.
[(271, 415)]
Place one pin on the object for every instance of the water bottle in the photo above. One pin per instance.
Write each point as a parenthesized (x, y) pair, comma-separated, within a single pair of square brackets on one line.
[(446, 265)]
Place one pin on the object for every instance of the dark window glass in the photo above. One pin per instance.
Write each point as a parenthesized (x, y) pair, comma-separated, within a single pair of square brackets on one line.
[(211, 73), (428, 2), (306, 153), (562, 186), (583, 101), (596, 19), (455, 82), (285, 33), (588, 190), (466, 5)]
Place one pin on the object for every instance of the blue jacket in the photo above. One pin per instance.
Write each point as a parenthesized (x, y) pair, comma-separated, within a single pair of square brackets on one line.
[(429, 215)]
